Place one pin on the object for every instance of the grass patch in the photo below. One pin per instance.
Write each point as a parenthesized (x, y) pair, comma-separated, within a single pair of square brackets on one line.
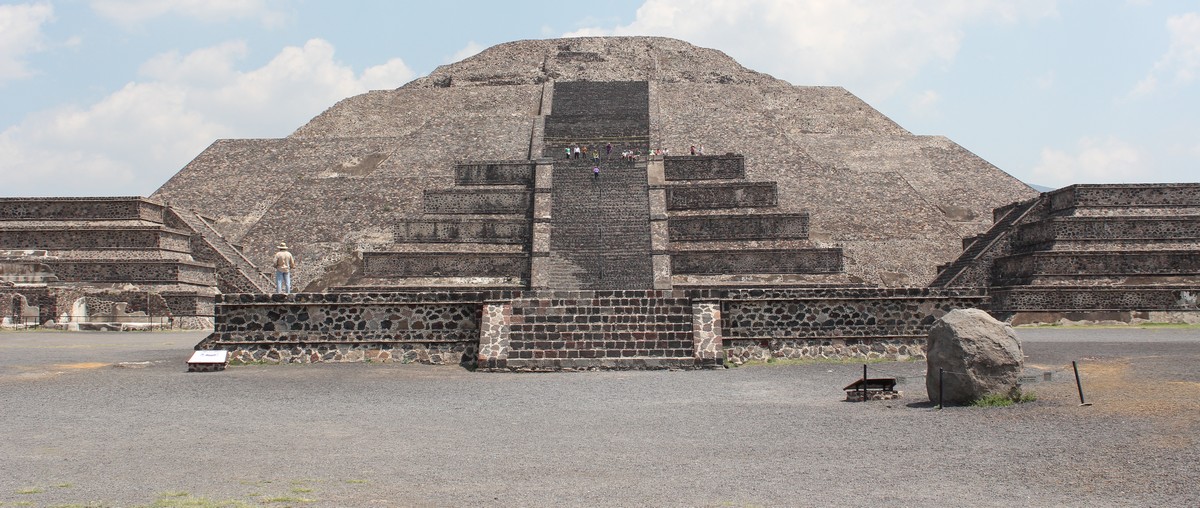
[(30, 490), (357, 481), (63, 486), (1004, 400), (240, 363), (288, 499), (175, 500)]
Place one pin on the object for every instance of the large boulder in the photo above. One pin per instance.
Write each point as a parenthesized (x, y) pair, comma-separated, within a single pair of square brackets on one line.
[(979, 355)]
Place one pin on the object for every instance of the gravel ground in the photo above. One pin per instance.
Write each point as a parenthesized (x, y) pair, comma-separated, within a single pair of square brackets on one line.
[(78, 426)]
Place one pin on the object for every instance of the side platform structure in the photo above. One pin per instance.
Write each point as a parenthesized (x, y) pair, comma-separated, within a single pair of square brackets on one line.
[(1094, 252)]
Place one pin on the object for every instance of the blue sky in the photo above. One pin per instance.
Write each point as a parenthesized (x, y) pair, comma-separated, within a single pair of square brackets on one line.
[(112, 97)]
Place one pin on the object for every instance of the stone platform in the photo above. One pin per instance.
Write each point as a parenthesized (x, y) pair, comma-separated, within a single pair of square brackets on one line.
[(506, 330)]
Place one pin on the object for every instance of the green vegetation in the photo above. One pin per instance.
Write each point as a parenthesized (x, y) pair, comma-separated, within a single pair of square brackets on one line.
[(288, 499), (1004, 400), (357, 481), (30, 490), (184, 500)]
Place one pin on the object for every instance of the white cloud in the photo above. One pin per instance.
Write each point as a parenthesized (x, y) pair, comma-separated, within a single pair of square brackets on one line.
[(1109, 160), (134, 139), (131, 13), (1180, 66), (869, 46), (926, 103), (20, 35), (471, 49)]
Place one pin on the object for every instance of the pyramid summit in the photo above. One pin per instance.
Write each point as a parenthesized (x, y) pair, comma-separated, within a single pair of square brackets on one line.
[(459, 178)]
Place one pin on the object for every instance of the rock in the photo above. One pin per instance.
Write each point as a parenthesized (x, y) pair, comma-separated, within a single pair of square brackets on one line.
[(980, 355)]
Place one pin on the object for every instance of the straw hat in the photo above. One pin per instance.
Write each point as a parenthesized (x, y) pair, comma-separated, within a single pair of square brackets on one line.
[(282, 246)]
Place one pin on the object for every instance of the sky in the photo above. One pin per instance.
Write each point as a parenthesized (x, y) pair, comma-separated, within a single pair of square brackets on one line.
[(113, 97)]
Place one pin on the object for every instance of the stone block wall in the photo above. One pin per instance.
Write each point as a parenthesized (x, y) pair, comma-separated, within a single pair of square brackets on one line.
[(477, 201), (453, 230), (1124, 195), (494, 173), (419, 264), (1087, 299), (82, 236), (135, 271), (797, 261), (582, 330), (80, 208), (730, 195), (428, 327), (1056, 265), (738, 227), (834, 322), (704, 167), (600, 329)]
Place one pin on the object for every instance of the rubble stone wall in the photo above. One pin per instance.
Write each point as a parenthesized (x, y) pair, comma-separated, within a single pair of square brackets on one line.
[(80, 208), (730, 195), (704, 167)]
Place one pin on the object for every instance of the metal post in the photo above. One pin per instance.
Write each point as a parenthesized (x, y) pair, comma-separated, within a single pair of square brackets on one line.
[(941, 376), (1078, 384), (864, 383)]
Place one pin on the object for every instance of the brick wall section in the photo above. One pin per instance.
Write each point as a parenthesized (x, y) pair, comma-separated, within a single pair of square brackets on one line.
[(601, 329)]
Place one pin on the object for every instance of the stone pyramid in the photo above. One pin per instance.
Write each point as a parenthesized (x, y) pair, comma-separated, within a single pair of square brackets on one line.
[(799, 185)]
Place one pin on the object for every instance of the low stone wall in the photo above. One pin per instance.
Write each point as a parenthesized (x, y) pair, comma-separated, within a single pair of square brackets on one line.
[(783, 261), (80, 208), (582, 330), (704, 167), (478, 201), (494, 173), (1089, 299), (1019, 268), (429, 327), (1125, 195), (839, 323), (466, 264), (169, 271), (1106, 228), (91, 237), (502, 231), (728, 195), (738, 227)]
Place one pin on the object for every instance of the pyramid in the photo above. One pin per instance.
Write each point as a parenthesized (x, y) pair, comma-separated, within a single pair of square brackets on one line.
[(435, 184)]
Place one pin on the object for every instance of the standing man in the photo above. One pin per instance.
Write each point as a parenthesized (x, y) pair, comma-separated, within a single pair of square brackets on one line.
[(284, 262)]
